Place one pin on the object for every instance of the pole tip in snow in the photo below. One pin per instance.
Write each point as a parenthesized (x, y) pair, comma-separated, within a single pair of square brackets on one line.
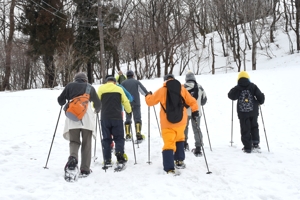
[(208, 172)]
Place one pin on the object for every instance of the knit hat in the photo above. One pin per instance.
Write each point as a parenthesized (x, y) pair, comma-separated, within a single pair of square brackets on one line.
[(243, 74), (190, 76), (168, 76), (81, 76), (110, 78), (129, 73)]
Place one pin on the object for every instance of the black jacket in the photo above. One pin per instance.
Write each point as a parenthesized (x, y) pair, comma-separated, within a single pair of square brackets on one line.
[(259, 97), (78, 88)]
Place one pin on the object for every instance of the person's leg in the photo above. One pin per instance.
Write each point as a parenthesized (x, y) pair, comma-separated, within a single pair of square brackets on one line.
[(118, 135), (169, 148), (179, 154), (197, 132), (255, 131), (74, 142), (137, 121), (86, 148), (186, 132), (106, 142), (245, 125)]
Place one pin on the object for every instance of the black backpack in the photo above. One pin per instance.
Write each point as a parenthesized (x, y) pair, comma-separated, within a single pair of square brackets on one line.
[(174, 102), (245, 101)]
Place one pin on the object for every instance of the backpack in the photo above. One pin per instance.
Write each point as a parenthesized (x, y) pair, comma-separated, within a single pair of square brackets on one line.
[(245, 101), (77, 107), (174, 102), (121, 78)]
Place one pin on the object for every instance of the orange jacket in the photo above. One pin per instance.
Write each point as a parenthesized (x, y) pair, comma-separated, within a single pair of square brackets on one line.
[(160, 96)]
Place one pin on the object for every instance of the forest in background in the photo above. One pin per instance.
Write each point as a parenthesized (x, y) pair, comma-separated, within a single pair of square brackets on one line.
[(43, 43)]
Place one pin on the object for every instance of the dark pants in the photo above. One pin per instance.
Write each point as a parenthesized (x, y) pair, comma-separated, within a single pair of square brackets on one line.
[(116, 129), (249, 131), (136, 111)]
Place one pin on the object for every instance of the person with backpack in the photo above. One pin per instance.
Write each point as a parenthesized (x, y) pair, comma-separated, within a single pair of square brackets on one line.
[(196, 90), (249, 98), (85, 127), (112, 98), (173, 97), (134, 87), (120, 77)]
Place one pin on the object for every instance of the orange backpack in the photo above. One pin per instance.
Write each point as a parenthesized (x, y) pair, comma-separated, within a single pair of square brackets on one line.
[(78, 106)]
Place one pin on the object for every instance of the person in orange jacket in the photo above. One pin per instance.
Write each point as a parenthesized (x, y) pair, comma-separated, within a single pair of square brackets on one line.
[(172, 133)]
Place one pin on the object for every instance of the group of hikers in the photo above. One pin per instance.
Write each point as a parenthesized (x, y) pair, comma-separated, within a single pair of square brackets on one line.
[(123, 93)]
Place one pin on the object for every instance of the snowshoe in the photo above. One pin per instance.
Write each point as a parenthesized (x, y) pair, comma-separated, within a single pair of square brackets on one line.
[(174, 172), (139, 138), (256, 148), (71, 175), (179, 164), (107, 164), (71, 170), (128, 137), (120, 167)]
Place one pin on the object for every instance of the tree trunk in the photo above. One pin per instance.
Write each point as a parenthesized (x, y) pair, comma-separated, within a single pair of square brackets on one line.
[(49, 71), (8, 47)]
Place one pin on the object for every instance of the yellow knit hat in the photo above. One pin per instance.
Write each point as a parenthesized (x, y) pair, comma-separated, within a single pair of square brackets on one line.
[(243, 74)]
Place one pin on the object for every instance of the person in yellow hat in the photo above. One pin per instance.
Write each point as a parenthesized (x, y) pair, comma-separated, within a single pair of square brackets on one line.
[(249, 98)]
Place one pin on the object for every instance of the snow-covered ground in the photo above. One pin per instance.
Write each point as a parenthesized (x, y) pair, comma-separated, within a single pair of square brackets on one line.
[(28, 120)]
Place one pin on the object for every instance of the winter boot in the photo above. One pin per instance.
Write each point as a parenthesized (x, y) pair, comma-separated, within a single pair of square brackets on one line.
[(71, 164), (247, 150), (121, 157), (138, 127), (256, 146), (197, 151), (127, 131), (179, 164), (84, 173)]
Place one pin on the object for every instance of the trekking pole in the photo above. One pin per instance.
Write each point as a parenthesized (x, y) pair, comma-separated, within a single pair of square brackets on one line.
[(231, 123), (206, 128), (53, 138), (157, 121), (149, 162), (95, 158), (198, 128), (104, 167), (264, 127), (133, 145)]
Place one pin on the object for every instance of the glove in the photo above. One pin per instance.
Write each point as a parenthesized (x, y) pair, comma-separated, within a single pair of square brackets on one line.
[(129, 114), (97, 110), (195, 114), (148, 93)]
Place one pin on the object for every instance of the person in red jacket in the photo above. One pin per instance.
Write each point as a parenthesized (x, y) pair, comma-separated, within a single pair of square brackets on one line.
[(172, 133)]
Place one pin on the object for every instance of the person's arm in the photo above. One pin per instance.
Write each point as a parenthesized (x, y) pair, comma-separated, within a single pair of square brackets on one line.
[(142, 89), (61, 99), (125, 102), (189, 99), (234, 93), (95, 99), (259, 95), (203, 96), (155, 98)]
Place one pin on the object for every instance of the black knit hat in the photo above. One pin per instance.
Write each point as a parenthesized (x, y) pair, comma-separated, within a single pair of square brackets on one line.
[(110, 78), (81, 76), (168, 76), (129, 73)]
